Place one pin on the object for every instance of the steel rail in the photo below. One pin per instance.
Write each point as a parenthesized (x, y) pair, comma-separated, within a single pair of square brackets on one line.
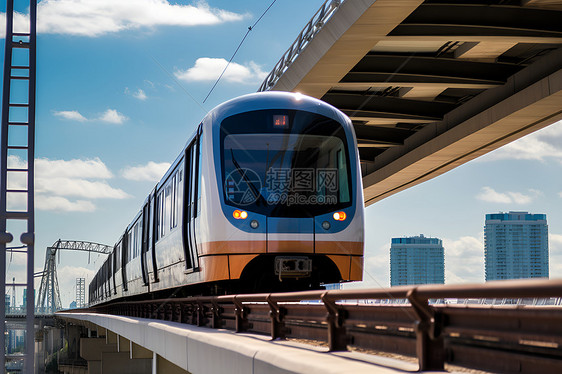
[(507, 338)]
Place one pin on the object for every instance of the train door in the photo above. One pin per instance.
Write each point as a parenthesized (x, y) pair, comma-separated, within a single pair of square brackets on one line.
[(124, 259), (114, 259), (153, 225), (191, 193), (145, 240)]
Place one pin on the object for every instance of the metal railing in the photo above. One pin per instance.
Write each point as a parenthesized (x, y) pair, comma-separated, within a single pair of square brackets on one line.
[(307, 33), (508, 338)]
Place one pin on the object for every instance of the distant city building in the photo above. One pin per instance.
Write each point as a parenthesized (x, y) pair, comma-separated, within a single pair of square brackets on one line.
[(516, 246), (416, 260)]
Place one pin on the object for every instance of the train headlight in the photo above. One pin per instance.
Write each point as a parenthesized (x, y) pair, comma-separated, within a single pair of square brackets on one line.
[(326, 225), (340, 216), (240, 214), (254, 224)]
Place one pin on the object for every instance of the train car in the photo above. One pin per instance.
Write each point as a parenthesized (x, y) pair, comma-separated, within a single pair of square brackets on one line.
[(266, 196)]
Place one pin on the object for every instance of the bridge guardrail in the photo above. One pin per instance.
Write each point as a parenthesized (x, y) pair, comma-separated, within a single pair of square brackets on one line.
[(506, 338), (305, 36)]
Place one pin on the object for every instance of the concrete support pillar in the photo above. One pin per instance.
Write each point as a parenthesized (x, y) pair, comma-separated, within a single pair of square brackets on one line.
[(120, 363), (123, 345), (91, 350), (69, 369), (104, 358), (138, 352), (39, 357), (110, 337), (162, 366)]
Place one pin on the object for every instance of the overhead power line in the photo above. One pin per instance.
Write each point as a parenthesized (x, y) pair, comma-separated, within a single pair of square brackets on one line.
[(250, 28)]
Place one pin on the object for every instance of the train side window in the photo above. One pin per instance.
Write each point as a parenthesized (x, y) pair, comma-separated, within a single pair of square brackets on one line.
[(135, 240), (161, 214), (180, 192), (341, 165), (157, 215), (139, 236), (118, 257), (168, 207), (173, 203), (135, 227)]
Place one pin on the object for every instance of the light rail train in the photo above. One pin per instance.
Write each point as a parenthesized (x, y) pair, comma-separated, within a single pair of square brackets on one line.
[(266, 196)]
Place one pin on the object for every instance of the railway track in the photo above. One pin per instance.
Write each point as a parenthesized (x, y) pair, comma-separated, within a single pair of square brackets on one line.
[(411, 321)]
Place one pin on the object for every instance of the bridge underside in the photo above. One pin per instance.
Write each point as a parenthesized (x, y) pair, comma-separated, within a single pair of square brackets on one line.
[(430, 85)]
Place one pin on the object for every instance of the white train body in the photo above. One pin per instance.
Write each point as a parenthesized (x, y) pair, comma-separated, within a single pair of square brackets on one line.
[(266, 196)]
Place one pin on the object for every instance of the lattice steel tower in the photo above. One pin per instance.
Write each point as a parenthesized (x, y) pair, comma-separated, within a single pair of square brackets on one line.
[(18, 116), (48, 297)]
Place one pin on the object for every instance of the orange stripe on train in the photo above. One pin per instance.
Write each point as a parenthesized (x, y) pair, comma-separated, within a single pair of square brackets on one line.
[(280, 246)]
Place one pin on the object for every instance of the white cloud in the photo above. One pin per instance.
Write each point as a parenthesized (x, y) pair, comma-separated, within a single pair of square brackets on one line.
[(56, 180), (97, 17), (60, 204), (73, 115), (464, 260), (138, 94), (76, 168), (152, 171), (113, 116), (109, 116), (490, 195), (556, 240), (541, 145), (79, 187), (555, 252), (209, 69)]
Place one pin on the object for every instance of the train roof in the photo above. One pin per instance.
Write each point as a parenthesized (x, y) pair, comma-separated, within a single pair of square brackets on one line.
[(273, 100)]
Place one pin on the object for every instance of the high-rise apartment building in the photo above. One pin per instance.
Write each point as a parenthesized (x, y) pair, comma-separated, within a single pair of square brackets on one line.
[(516, 246), (416, 260)]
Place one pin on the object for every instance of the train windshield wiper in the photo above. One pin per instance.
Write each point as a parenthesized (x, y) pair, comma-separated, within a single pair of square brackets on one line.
[(253, 188)]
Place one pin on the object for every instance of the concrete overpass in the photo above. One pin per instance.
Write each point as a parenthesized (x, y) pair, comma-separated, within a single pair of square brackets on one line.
[(429, 85), (123, 345)]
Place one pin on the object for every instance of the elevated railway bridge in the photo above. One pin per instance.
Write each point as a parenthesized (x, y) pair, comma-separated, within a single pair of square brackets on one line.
[(429, 327), (429, 85)]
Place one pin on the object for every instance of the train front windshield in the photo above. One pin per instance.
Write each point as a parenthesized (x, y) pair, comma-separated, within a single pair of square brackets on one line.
[(285, 163)]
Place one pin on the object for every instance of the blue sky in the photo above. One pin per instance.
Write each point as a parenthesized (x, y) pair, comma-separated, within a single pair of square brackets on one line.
[(113, 112)]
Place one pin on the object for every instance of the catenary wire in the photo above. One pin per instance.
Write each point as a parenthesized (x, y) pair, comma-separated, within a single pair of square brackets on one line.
[(250, 28)]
